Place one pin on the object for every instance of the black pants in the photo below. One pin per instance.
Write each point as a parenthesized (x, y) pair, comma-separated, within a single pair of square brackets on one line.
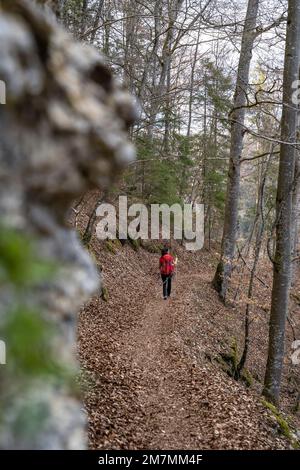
[(167, 284)]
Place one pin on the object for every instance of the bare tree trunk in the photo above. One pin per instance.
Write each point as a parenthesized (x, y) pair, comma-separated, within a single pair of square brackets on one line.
[(129, 37), (174, 10), (284, 223), (167, 113), (296, 215), (191, 93), (223, 272), (84, 12), (106, 29), (88, 233), (166, 55), (96, 21), (151, 59), (260, 221)]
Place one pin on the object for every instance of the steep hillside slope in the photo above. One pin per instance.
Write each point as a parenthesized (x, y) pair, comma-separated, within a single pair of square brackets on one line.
[(153, 368)]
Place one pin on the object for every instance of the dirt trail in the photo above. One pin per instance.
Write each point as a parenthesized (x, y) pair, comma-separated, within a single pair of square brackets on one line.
[(152, 350), (152, 387)]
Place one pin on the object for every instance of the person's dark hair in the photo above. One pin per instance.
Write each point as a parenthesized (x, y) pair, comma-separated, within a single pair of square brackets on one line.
[(164, 250)]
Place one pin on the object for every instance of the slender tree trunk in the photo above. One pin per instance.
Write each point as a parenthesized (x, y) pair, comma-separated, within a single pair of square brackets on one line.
[(174, 9), (296, 215), (204, 156), (284, 223), (191, 94), (260, 224), (106, 29), (88, 233), (190, 112), (129, 37), (167, 113), (97, 20), (152, 58), (223, 272), (165, 60), (84, 19), (209, 227)]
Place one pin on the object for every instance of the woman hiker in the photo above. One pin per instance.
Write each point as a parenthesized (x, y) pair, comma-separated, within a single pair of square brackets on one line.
[(166, 266)]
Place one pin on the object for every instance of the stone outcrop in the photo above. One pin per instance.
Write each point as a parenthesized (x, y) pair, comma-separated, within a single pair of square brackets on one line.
[(63, 132)]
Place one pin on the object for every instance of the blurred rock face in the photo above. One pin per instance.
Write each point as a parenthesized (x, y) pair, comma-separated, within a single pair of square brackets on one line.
[(63, 131)]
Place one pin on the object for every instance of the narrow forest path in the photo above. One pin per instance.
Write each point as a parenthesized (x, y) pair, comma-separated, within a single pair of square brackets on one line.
[(151, 385), (165, 394)]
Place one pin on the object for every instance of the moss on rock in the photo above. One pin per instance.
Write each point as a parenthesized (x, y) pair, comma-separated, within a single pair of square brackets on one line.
[(283, 424)]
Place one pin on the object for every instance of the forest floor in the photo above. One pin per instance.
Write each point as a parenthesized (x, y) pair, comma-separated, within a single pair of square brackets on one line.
[(152, 368)]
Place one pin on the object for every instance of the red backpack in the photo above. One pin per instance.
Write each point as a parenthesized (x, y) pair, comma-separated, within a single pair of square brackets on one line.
[(166, 264)]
